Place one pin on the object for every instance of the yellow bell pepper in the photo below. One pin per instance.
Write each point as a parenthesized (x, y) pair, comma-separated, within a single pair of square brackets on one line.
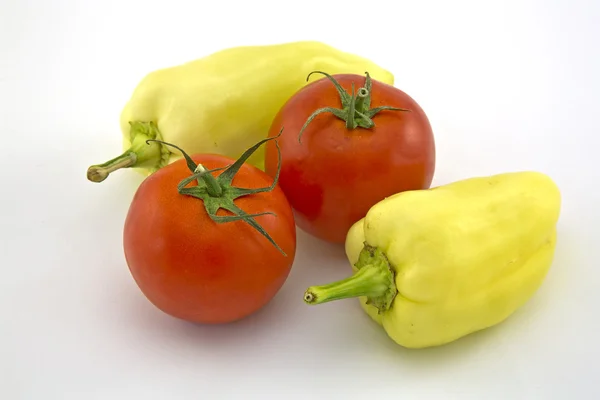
[(432, 266), (222, 103)]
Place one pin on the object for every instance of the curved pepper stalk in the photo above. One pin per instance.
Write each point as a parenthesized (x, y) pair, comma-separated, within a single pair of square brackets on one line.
[(141, 153)]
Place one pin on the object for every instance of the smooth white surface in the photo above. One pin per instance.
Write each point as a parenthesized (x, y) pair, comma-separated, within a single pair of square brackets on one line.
[(507, 85)]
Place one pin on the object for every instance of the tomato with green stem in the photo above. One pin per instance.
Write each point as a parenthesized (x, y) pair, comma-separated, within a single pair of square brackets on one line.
[(344, 150), (210, 239)]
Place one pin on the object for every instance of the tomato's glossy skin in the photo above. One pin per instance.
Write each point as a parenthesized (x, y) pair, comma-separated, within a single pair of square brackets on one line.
[(195, 269), (335, 175)]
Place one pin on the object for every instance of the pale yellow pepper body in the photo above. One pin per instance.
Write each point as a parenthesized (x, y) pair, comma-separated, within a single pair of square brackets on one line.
[(462, 257), (223, 103)]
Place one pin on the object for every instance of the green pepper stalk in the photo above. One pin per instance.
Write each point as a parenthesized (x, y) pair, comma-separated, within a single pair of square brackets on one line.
[(141, 154), (374, 279)]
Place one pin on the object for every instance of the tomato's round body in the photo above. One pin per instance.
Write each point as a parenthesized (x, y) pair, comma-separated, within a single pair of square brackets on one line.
[(198, 270), (336, 174)]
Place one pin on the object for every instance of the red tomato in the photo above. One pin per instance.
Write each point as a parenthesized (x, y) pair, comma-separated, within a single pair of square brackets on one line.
[(336, 174), (198, 270)]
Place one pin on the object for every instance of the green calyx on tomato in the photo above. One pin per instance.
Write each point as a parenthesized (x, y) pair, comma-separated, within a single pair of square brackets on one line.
[(356, 108), (218, 192)]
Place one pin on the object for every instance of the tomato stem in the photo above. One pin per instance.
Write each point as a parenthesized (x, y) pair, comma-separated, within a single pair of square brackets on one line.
[(350, 118), (217, 192), (356, 109), (140, 153), (212, 186), (362, 94), (374, 279)]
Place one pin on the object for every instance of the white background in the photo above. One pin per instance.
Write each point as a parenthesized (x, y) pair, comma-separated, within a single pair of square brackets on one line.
[(507, 85)]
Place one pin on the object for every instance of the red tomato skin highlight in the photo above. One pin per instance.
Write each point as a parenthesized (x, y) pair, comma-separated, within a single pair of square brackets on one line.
[(335, 175), (195, 269)]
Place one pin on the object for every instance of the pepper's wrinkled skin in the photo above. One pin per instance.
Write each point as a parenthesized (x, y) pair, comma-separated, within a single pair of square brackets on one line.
[(222, 103), (432, 266)]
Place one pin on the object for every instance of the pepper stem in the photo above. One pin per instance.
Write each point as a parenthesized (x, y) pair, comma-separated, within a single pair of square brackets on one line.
[(98, 173), (140, 154), (368, 281), (374, 279)]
